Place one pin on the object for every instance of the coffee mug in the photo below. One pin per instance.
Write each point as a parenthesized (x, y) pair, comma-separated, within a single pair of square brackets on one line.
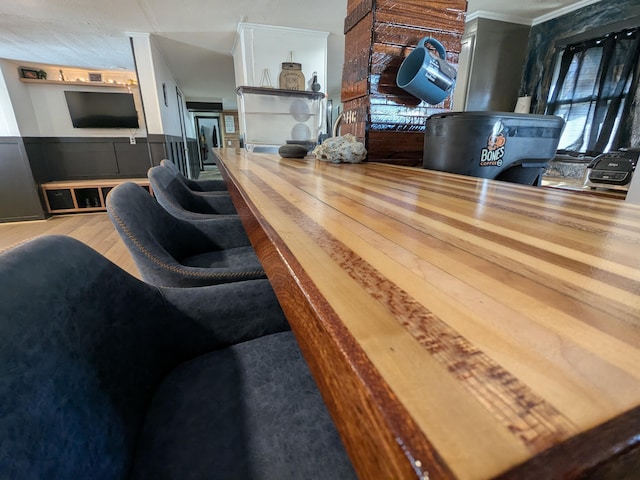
[(425, 75)]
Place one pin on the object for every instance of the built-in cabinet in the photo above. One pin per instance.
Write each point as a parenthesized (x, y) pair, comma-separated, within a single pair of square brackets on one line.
[(82, 196)]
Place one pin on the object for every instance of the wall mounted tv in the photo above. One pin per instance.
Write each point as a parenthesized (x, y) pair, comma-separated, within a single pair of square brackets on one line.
[(102, 110)]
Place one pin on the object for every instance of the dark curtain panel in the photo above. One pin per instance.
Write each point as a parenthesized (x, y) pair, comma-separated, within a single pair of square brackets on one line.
[(591, 91)]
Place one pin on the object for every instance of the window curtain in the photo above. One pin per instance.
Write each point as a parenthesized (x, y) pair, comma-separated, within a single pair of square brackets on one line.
[(591, 91)]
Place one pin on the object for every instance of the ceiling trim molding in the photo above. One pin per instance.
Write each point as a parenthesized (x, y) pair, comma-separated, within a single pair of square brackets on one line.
[(259, 26), (137, 34), (501, 17), (563, 11)]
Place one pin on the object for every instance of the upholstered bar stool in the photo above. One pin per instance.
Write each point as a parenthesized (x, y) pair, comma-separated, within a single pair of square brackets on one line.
[(171, 251), (181, 201), (210, 185), (103, 376)]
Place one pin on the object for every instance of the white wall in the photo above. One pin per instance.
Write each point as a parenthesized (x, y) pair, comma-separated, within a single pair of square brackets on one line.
[(20, 99), (8, 121), (40, 109), (259, 47), (170, 113), (633, 195), (148, 83), (189, 119), (156, 80), (52, 114)]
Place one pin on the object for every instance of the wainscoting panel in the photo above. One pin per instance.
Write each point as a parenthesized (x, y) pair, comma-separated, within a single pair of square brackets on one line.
[(132, 160), (92, 158), (80, 160), (19, 198), (172, 148), (86, 158)]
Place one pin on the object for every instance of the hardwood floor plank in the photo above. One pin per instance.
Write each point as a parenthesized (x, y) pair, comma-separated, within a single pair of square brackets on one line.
[(93, 229)]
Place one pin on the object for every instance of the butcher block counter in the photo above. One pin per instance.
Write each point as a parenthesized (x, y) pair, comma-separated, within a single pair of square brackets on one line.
[(456, 327)]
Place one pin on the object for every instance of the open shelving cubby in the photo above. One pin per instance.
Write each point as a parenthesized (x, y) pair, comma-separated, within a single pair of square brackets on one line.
[(73, 196)]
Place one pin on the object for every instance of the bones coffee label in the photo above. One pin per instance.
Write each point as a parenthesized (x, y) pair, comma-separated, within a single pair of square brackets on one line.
[(493, 153)]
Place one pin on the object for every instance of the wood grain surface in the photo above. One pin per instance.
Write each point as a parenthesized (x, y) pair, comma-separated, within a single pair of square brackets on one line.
[(94, 229), (457, 327)]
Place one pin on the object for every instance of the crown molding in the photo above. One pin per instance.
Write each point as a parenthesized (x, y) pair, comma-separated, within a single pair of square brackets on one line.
[(503, 17), (563, 11), (137, 34)]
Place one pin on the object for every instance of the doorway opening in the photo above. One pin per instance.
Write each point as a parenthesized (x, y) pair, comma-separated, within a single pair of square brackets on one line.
[(208, 128)]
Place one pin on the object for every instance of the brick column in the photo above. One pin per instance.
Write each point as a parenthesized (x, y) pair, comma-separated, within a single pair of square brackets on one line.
[(378, 35)]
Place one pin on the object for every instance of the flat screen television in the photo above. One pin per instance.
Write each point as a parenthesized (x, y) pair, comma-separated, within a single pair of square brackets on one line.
[(102, 109)]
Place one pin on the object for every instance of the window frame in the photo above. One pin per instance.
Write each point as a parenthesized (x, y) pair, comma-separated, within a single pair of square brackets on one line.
[(599, 132)]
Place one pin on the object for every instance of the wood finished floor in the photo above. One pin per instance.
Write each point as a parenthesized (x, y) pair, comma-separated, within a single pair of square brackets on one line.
[(93, 229)]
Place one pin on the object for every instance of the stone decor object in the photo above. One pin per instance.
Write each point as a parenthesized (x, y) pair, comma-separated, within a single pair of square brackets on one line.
[(292, 151), (345, 148)]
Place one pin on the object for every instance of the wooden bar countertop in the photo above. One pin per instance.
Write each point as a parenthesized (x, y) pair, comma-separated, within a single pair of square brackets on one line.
[(457, 327)]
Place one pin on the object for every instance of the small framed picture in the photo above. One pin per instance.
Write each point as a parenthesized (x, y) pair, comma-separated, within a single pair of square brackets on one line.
[(29, 73), (95, 77), (229, 124)]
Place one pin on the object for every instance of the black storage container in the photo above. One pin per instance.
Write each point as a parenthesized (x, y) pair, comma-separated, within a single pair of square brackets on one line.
[(513, 147)]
